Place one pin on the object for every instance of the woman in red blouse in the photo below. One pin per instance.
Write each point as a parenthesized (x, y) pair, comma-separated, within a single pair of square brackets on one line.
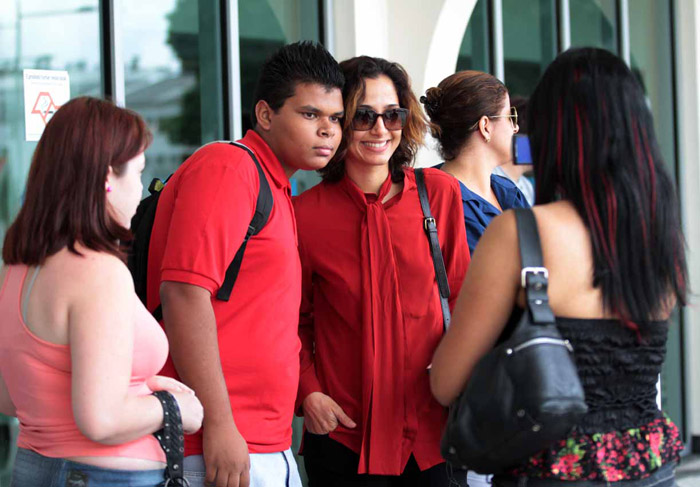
[(370, 314)]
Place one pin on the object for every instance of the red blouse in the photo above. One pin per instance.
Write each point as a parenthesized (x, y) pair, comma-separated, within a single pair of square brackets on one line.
[(370, 313)]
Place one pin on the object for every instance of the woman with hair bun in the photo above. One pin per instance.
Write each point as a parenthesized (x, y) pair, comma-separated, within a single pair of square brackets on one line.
[(474, 123)]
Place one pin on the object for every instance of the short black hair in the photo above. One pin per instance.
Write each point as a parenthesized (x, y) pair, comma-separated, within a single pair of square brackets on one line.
[(300, 62)]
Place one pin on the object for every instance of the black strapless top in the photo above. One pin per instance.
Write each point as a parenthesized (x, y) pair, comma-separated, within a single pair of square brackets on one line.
[(618, 367)]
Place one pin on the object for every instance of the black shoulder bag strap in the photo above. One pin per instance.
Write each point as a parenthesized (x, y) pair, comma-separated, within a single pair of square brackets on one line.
[(263, 207), (430, 228), (534, 277)]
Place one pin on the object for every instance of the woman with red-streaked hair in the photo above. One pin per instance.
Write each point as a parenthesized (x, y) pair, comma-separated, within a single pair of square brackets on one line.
[(78, 351), (608, 218)]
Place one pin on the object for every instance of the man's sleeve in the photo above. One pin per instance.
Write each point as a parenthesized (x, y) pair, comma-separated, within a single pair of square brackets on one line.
[(214, 203)]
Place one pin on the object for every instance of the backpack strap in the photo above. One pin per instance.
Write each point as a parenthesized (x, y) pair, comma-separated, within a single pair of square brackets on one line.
[(430, 228), (263, 207), (534, 276)]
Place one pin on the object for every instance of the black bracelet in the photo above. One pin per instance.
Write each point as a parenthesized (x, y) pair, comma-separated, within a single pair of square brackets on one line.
[(172, 440)]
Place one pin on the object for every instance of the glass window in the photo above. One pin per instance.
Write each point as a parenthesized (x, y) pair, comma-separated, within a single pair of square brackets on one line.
[(651, 40), (594, 23), (652, 62), (173, 76), (39, 34), (529, 42), (265, 26), (476, 44)]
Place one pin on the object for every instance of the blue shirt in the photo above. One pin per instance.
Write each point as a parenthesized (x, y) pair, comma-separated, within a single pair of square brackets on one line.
[(478, 212)]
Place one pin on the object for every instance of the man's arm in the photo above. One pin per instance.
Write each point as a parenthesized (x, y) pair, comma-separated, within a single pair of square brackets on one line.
[(190, 324)]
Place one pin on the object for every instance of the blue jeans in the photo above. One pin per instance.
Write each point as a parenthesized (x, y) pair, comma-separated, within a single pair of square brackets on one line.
[(266, 470), (34, 470), (664, 476)]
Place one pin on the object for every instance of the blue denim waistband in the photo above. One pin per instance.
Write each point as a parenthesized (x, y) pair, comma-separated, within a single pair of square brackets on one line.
[(34, 470)]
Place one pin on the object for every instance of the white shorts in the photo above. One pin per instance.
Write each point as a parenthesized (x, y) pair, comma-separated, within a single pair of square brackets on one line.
[(266, 470)]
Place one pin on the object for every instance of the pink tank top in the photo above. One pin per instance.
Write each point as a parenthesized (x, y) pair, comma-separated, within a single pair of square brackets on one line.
[(38, 377)]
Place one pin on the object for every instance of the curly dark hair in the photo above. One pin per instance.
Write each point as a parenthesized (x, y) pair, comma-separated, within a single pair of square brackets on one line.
[(356, 71)]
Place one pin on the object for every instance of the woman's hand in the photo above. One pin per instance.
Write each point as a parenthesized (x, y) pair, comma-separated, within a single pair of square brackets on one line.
[(191, 410), (163, 383), (322, 414)]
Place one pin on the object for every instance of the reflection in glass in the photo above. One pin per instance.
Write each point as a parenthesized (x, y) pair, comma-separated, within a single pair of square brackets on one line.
[(476, 44), (593, 23), (529, 42), (39, 34), (651, 59), (173, 78), (265, 26)]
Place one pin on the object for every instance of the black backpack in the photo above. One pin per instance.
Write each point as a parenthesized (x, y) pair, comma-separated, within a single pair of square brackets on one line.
[(142, 226)]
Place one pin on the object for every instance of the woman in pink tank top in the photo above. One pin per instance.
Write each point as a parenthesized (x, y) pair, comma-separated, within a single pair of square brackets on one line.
[(79, 353)]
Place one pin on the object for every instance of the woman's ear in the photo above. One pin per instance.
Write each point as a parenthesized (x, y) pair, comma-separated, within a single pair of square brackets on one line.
[(485, 128), (110, 179)]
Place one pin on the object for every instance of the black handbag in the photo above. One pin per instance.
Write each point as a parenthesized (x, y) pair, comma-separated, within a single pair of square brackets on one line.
[(524, 394)]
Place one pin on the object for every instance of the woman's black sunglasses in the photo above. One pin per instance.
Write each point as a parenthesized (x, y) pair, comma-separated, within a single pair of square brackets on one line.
[(366, 118)]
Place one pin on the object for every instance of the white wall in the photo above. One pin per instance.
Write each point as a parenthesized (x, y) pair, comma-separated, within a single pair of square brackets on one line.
[(688, 81)]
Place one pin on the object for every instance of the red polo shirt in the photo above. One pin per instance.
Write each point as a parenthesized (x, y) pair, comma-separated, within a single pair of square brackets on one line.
[(202, 217), (370, 315)]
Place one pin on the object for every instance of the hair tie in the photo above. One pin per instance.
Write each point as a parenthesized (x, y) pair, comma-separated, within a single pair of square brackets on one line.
[(431, 100)]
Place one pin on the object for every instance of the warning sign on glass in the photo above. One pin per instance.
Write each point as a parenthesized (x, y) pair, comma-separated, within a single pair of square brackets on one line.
[(44, 93)]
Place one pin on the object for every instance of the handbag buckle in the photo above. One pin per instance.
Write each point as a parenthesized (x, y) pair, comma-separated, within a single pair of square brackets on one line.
[(532, 270), (427, 222)]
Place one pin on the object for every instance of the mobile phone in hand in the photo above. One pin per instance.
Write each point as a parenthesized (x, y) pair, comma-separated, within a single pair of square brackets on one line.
[(521, 149)]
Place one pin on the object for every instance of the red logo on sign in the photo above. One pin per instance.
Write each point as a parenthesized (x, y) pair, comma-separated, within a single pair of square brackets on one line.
[(44, 106)]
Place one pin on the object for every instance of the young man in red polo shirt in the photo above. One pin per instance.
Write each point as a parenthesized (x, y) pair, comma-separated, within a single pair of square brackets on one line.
[(242, 356)]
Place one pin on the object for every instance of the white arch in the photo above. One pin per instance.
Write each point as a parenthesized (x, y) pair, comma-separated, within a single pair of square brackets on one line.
[(446, 40)]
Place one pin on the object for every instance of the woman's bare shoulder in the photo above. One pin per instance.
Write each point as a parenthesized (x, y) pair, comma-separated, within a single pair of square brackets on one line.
[(87, 269)]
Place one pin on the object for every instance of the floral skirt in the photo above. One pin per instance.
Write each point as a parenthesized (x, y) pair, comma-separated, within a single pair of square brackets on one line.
[(617, 455)]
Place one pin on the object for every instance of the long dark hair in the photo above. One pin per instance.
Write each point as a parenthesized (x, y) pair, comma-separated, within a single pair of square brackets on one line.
[(66, 199), (356, 71), (593, 144)]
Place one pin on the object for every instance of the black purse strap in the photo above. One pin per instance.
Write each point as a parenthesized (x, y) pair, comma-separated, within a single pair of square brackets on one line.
[(430, 228), (534, 277)]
